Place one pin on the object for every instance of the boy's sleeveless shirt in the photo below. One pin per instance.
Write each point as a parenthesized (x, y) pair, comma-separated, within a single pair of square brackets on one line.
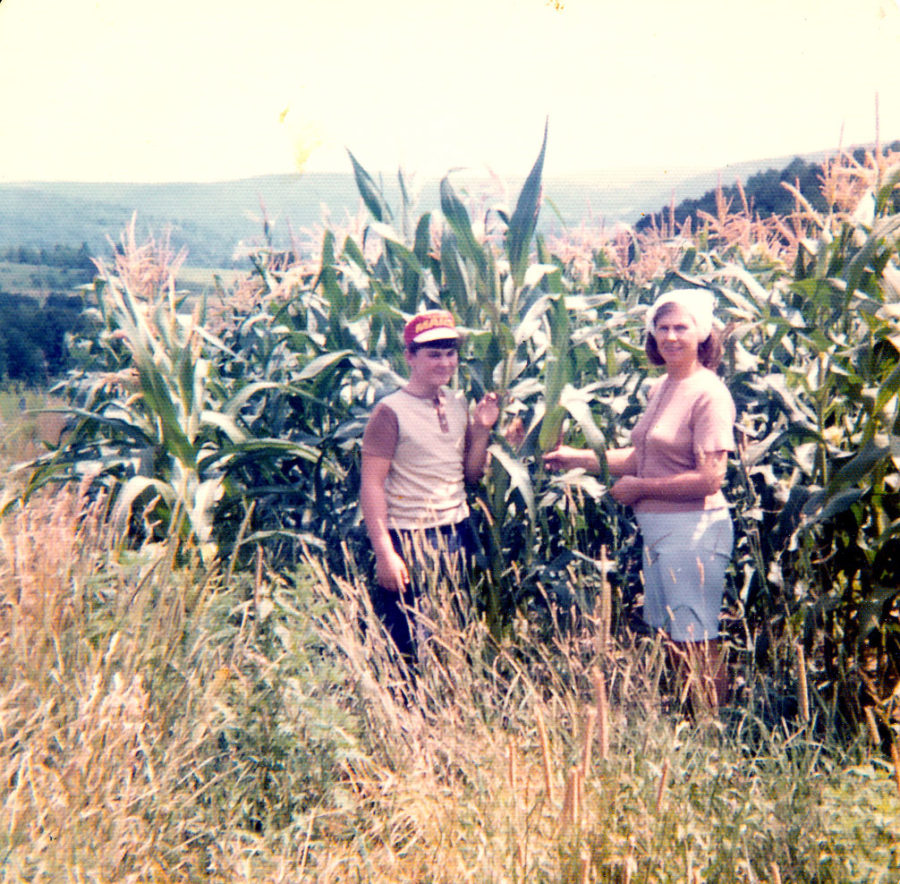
[(425, 485)]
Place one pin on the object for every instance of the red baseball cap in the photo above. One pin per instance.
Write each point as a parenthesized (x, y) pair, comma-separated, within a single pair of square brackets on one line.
[(432, 325)]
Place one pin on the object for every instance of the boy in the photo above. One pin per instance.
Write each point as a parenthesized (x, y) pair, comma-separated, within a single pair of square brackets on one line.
[(419, 450)]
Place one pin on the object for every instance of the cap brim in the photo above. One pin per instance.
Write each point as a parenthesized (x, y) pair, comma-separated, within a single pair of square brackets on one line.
[(437, 334)]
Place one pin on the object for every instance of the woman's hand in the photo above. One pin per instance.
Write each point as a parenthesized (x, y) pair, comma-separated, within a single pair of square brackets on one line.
[(567, 458), (628, 490)]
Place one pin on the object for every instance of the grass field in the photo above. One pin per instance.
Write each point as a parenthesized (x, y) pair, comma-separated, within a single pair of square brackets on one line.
[(200, 279), (191, 725), (37, 279), (40, 279)]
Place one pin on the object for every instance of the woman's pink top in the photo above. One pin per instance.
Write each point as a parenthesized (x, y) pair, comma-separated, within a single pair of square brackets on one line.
[(683, 419)]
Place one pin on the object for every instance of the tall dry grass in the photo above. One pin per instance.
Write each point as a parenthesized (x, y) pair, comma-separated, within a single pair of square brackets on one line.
[(560, 759), (160, 725), (112, 703)]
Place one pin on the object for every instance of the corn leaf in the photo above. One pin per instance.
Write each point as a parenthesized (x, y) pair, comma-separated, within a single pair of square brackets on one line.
[(225, 423), (884, 228), (132, 490), (518, 476), (370, 192), (524, 219), (458, 219), (557, 373), (322, 363), (233, 406)]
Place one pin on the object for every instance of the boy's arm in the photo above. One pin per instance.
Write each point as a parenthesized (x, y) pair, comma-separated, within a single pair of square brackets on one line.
[(390, 569), (478, 437)]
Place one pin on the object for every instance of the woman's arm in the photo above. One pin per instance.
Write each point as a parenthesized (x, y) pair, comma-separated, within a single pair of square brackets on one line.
[(701, 482), (619, 461)]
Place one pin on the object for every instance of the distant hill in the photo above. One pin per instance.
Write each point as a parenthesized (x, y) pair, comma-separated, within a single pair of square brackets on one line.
[(764, 191), (213, 219)]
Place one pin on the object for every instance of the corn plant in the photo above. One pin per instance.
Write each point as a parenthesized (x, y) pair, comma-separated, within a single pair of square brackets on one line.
[(250, 426), (158, 426)]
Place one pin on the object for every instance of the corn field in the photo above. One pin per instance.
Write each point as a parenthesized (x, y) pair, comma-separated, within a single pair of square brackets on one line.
[(214, 445)]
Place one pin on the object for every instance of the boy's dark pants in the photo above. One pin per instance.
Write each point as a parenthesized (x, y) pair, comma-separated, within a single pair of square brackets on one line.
[(443, 553)]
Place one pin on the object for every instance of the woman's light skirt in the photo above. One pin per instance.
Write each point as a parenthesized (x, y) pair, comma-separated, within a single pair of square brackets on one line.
[(685, 557)]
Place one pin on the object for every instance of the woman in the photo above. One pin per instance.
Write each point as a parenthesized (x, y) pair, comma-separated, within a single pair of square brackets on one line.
[(672, 476)]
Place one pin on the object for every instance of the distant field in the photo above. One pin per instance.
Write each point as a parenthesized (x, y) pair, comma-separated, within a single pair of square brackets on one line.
[(40, 279), (201, 279), (24, 429)]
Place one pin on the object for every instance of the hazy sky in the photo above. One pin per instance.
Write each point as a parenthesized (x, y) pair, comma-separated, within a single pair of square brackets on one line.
[(176, 90)]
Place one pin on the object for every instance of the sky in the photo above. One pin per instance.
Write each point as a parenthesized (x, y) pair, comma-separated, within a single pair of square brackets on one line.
[(217, 90)]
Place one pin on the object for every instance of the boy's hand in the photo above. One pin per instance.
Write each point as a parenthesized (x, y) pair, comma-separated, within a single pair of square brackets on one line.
[(486, 411), (390, 571)]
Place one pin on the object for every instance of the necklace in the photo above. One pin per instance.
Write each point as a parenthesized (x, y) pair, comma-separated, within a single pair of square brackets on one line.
[(441, 414)]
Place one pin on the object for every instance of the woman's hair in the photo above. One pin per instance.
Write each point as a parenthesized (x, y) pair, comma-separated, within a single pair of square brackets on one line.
[(709, 352)]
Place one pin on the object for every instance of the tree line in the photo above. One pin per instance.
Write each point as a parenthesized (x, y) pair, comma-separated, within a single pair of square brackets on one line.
[(34, 331), (34, 336), (765, 193), (57, 256)]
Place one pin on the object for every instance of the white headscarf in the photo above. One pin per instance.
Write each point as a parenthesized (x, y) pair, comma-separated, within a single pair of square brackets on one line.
[(698, 303)]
